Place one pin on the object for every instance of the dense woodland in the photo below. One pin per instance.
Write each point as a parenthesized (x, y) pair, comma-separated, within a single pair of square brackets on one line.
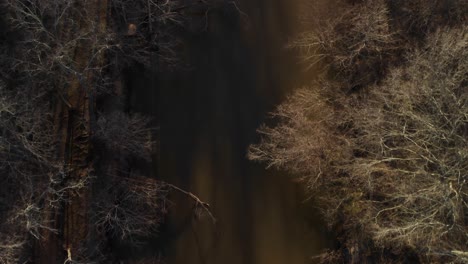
[(70, 191), (380, 137)]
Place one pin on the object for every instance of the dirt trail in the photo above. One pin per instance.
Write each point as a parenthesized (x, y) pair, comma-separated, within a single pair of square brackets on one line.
[(72, 118)]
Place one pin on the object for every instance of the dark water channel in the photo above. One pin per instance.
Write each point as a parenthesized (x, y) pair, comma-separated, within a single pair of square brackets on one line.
[(208, 115)]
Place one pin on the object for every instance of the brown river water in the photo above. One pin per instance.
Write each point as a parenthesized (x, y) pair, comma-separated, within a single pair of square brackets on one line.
[(208, 114)]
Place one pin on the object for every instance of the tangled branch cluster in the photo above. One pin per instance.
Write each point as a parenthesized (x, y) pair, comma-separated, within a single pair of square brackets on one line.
[(355, 46), (132, 208), (388, 163), (32, 178), (49, 33), (125, 135)]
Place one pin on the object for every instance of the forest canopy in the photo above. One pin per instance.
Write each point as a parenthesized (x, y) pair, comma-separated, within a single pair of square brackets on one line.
[(70, 191), (380, 140)]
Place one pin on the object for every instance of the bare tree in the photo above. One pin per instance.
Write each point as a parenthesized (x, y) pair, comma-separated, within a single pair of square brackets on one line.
[(355, 44), (50, 32), (59, 55), (131, 208), (126, 134), (414, 134), (34, 181), (11, 249), (290, 144), (415, 19), (387, 164)]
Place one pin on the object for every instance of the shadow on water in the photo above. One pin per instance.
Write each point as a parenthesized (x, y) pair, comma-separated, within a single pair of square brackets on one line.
[(208, 117)]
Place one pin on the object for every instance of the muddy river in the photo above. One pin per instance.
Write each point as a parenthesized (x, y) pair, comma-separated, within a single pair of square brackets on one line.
[(238, 70)]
